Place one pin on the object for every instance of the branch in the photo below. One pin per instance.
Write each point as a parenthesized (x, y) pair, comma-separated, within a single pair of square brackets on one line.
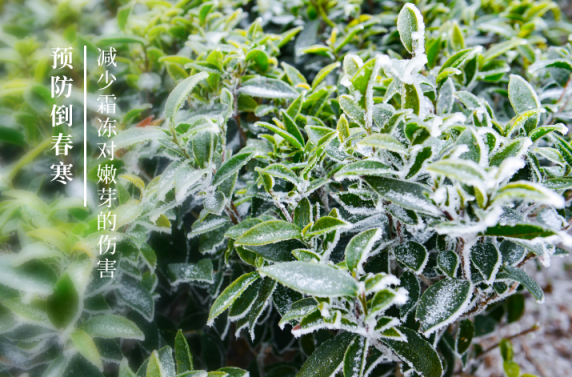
[(534, 328)]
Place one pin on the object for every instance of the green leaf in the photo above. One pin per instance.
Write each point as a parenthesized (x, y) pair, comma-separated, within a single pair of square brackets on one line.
[(277, 252), (409, 195), (356, 357), (203, 146), (113, 39), (411, 97), (530, 192), (232, 166), (137, 298), (240, 228), (409, 21), (442, 303), (523, 231), (86, 347), (464, 171), (180, 94), (470, 101), (303, 213), (260, 304), (285, 134), (518, 275), (559, 183), (521, 95), (352, 109), (12, 136), (29, 275), (359, 248), (321, 75), (448, 262), (202, 271), (564, 148), (363, 167), (52, 237), (511, 369), (268, 232), (264, 87), (417, 353), (154, 367), (539, 132), (312, 278), (513, 149), (506, 350), (259, 57), (122, 16), (459, 59), (326, 360), (413, 255), (124, 370), (63, 304), (384, 141), (183, 354), (487, 259), (410, 282), (457, 39), (297, 310), (294, 76), (230, 294), (112, 326), (138, 135), (325, 224), (498, 49), (292, 128), (465, 336)]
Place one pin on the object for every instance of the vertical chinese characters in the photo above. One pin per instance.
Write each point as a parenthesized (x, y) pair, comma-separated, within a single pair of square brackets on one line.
[(106, 172), (62, 115)]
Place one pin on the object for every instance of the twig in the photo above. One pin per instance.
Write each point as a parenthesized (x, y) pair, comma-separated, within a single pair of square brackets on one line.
[(528, 331)]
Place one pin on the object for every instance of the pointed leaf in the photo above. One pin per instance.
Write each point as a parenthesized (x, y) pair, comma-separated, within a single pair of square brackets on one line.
[(442, 303), (312, 278)]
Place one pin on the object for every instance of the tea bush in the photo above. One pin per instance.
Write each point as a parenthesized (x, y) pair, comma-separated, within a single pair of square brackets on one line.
[(351, 188)]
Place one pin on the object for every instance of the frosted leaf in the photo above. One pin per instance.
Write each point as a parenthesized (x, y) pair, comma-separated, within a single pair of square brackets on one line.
[(187, 272), (268, 88), (210, 223), (312, 278), (230, 294), (271, 231), (521, 95), (328, 358), (137, 297), (359, 248), (356, 357), (530, 192), (30, 277), (406, 194), (487, 259), (180, 94), (442, 303), (112, 326), (413, 255), (511, 252), (416, 352), (516, 274), (411, 29)]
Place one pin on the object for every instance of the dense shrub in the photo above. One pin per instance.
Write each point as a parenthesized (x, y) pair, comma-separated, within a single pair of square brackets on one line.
[(351, 188)]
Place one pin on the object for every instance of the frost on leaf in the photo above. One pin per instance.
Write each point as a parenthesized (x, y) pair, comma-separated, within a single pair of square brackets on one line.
[(442, 303)]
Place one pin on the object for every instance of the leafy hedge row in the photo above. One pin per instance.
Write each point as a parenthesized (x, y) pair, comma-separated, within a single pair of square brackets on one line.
[(356, 186)]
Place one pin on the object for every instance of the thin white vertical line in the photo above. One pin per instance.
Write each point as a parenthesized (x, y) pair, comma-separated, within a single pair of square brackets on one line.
[(84, 126)]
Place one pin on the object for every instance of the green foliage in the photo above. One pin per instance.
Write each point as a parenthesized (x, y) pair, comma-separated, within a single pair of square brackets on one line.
[(358, 185)]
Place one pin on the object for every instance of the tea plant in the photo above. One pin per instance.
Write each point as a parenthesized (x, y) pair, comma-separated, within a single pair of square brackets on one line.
[(351, 188)]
